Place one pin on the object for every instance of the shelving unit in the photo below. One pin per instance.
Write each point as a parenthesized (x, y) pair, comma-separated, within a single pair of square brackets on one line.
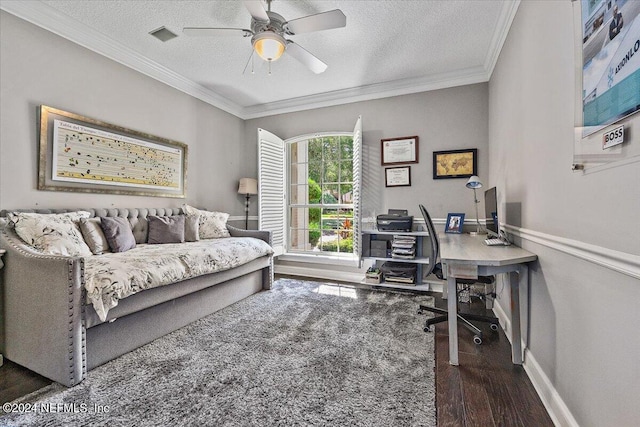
[(374, 235)]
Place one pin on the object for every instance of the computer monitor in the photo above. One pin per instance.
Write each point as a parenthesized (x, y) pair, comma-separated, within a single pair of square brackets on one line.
[(491, 212)]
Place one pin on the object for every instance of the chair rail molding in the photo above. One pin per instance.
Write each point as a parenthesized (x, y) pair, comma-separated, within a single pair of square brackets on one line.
[(619, 261)]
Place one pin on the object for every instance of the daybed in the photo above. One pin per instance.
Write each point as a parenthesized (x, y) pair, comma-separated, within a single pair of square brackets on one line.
[(51, 329)]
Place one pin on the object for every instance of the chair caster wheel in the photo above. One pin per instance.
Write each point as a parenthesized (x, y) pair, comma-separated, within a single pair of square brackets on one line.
[(420, 312), (494, 326), (477, 340), (427, 329)]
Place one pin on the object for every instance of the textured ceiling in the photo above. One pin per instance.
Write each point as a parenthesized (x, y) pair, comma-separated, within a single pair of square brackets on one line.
[(387, 47)]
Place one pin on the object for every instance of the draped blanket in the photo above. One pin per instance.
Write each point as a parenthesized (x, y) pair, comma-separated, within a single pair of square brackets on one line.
[(113, 276)]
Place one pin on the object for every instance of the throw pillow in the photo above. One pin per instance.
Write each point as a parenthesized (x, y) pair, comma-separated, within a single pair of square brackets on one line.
[(212, 225), (191, 228), (52, 234), (166, 229), (93, 235), (118, 232)]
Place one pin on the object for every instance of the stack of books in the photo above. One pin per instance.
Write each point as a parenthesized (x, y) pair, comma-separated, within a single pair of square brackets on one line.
[(403, 247)]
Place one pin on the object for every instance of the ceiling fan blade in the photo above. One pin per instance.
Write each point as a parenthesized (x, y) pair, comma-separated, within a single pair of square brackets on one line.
[(211, 32), (306, 58), (321, 21), (256, 10)]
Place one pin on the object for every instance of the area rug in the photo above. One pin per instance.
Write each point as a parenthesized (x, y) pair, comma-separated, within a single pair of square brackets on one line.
[(304, 354)]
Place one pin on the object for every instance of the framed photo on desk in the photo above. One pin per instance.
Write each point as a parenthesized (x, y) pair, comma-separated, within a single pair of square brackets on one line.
[(454, 224)]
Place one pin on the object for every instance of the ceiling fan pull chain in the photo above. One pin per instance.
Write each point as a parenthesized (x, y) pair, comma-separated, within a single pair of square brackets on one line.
[(269, 67)]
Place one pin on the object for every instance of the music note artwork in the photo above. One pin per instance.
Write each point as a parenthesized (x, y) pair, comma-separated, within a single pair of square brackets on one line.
[(83, 154)]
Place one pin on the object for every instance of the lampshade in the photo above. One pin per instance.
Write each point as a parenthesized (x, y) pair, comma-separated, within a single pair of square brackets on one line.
[(269, 45), (248, 186), (474, 182)]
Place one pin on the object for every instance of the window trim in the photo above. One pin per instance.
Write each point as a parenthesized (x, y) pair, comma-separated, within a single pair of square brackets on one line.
[(288, 253)]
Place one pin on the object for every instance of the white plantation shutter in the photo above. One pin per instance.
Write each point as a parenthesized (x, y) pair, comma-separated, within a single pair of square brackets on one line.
[(271, 190), (357, 187)]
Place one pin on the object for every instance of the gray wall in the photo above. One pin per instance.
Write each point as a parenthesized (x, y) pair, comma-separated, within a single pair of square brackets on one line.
[(38, 67), (453, 118), (583, 328)]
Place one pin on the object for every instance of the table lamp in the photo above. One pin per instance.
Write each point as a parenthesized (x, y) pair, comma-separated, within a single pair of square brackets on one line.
[(248, 187), (474, 183)]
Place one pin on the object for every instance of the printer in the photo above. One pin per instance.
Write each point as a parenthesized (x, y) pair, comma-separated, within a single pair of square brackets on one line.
[(395, 220)]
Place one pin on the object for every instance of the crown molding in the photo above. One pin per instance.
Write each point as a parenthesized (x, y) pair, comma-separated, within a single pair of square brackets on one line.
[(508, 13), (52, 20), (368, 92), (49, 18)]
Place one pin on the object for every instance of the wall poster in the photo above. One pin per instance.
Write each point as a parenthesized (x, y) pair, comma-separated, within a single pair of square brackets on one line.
[(82, 154), (610, 62)]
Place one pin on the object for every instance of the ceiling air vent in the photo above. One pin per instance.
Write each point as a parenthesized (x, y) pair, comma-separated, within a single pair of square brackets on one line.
[(163, 34)]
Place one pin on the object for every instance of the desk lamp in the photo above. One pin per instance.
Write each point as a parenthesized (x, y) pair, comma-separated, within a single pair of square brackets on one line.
[(248, 187), (474, 183)]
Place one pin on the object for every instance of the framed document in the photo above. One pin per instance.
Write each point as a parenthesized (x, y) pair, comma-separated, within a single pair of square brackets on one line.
[(398, 177), (396, 151)]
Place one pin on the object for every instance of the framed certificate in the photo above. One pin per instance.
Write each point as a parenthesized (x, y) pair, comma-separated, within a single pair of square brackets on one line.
[(396, 151), (398, 177)]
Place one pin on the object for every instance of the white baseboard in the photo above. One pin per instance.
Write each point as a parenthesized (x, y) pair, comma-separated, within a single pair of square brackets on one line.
[(555, 406), (557, 409), (320, 273)]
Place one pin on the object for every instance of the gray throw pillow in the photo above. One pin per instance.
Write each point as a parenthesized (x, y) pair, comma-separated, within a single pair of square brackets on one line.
[(93, 235), (166, 229), (118, 232), (191, 228)]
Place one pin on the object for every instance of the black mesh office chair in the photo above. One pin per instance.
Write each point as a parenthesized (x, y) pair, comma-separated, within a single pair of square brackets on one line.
[(436, 268)]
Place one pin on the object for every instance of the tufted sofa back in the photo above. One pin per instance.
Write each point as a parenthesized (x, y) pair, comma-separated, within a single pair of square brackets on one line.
[(137, 216)]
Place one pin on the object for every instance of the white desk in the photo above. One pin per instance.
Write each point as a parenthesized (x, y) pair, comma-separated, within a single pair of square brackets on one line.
[(465, 256)]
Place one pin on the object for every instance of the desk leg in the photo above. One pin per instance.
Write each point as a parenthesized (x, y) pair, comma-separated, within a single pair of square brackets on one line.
[(516, 337), (452, 320)]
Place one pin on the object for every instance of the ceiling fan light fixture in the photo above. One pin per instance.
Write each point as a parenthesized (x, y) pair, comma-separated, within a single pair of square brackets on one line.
[(269, 45)]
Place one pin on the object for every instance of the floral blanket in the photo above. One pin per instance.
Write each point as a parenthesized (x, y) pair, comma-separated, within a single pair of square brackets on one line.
[(113, 276)]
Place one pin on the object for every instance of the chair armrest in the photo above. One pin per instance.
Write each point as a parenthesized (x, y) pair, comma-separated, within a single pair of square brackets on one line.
[(43, 319), (258, 234)]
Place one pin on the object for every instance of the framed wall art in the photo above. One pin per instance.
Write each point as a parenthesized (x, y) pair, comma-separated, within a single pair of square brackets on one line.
[(398, 176), (86, 155), (395, 151), (455, 163)]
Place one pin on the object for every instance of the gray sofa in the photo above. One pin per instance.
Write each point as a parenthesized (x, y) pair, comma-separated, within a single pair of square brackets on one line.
[(51, 330)]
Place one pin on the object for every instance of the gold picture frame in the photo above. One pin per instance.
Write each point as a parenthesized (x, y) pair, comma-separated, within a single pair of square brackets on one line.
[(80, 154)]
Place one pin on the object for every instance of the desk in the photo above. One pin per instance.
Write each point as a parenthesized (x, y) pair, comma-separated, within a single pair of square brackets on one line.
[(464, 256)]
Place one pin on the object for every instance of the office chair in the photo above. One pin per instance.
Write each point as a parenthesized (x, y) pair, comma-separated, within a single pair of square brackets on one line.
[(436, 268)]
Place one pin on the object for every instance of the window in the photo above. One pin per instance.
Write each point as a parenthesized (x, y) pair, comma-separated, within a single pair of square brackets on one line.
[(309, 192), (320, 198)]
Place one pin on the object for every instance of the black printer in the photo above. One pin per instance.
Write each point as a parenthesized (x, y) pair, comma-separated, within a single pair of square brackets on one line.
[(395, 220)]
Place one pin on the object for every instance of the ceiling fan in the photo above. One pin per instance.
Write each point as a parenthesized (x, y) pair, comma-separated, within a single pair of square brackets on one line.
[(268, 30)]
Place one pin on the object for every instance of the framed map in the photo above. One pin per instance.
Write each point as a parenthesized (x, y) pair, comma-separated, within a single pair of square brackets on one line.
[(455, 163), (86, 155)]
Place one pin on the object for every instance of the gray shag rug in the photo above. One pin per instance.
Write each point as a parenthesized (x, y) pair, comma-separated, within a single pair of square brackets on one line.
[(304, 353)]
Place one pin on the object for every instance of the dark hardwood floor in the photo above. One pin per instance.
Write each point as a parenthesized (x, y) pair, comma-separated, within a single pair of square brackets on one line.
[(485, 390)]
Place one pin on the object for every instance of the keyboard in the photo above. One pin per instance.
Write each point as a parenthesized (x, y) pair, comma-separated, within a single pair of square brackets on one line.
[(495, 242)]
